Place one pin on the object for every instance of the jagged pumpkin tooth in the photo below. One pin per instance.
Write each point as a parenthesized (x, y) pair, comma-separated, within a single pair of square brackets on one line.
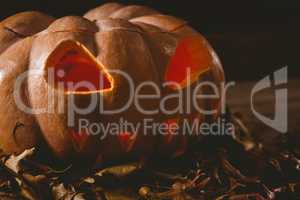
[(176, 139), (170, 132), (103, 11), (127, 141)]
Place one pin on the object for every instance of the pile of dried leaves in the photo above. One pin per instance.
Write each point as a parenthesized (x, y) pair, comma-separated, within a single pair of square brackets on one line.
[(235, 168)]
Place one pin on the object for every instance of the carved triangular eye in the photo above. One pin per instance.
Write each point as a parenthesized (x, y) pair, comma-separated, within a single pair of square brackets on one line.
[(76, 70), (190, 60)]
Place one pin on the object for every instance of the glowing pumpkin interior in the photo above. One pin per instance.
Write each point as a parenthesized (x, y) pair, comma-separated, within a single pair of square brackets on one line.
[(190, 60), (126, 140), (76, 70)]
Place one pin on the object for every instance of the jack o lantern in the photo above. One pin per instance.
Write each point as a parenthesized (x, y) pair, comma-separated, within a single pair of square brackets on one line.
[(104, 48)]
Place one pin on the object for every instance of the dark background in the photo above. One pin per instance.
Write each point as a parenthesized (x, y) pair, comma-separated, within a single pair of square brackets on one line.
[(253, 38)]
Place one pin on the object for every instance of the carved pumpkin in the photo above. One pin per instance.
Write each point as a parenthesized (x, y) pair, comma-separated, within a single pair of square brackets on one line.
[(136, 40)]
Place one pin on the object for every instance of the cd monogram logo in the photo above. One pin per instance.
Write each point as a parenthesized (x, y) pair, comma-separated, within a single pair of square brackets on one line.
[(279, 122)]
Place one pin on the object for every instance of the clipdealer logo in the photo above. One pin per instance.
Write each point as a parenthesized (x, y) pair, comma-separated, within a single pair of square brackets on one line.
[(280, 121)]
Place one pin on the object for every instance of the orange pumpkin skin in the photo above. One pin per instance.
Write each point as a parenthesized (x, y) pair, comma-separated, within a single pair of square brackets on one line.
[(18, 130), (137, 40)]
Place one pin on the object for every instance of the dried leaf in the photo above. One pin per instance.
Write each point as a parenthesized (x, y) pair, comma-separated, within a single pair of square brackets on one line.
[(13, 162), (119, 171), (61, 192)]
